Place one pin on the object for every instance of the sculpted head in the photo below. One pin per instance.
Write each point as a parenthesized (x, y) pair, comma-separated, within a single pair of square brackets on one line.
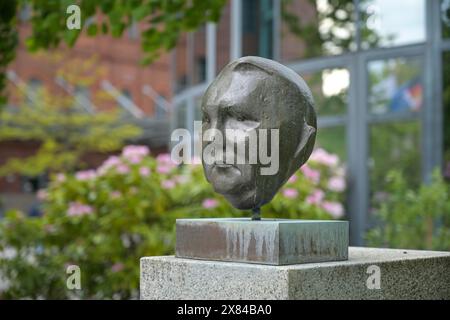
[(250, 94)]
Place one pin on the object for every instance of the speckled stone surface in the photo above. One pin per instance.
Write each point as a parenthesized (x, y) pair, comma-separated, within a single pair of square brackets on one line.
[(404, 274), (268, 241)]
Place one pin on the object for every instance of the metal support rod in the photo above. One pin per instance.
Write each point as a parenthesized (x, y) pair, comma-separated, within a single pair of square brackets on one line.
[(256, 214)]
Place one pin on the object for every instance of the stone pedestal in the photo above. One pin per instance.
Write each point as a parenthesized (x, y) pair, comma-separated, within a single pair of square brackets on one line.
[(399, 274), (269, 241)]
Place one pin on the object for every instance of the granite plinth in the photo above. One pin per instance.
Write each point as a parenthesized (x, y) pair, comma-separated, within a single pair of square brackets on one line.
[(403, 274)]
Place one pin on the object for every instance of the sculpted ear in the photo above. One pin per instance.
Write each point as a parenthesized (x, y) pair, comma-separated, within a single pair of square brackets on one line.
[(308, 137)]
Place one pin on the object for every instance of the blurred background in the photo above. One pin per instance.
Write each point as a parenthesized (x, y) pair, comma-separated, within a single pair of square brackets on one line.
[(87, 114)]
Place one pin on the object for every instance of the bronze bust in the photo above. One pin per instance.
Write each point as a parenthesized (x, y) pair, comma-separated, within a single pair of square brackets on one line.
[(250, 94)]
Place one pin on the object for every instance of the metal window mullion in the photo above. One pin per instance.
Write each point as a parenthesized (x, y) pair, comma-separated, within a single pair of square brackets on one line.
[(211, 34), (276, 34), (192, 91), (445, 45), (190, 58), (331, 121), (432, 133), (357, 151), (173, 71), (190, 114), (393, 117), (388, 53), (357, 24), (316, 64), (236, 29)]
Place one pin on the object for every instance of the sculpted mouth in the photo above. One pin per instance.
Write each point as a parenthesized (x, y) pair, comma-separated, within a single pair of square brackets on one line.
[(225, 169), (223, 165)]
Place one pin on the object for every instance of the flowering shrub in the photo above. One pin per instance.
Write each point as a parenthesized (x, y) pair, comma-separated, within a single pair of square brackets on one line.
[(314, 192), (412, 218), (104, 220)]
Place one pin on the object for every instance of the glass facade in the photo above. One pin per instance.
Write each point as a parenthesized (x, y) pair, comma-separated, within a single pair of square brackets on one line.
[(394, 145), (381, 26), (381, 84), (330, 90), (395, 85), (257, 28), (316, 28), (445, 18), (446, 110)]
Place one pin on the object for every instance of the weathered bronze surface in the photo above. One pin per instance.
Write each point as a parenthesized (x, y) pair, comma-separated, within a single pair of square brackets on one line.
[(253, 93), (269, 241)]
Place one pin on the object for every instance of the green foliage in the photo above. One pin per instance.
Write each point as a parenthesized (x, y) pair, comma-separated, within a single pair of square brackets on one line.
[(8, 41), (394, 145), (105, 220), (164, 21), (413, 219), (339, 37)]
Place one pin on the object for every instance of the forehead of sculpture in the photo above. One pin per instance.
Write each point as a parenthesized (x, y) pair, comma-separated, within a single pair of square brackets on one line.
[(237, 88)]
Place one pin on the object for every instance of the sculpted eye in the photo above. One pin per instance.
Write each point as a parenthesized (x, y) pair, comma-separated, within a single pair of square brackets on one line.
[(242, 124), (205, 118), (250, 124)]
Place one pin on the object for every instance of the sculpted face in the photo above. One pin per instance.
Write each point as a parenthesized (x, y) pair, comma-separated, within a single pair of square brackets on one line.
[(251, 94)]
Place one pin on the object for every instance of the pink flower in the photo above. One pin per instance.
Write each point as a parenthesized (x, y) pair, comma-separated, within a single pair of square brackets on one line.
[(60, 177), (134, 159), (144, 171), (86, 175), (135, 151), (49, 228), (163, 169), (293, 178), (133, 190), (42, 194), (79, 209), (336, 184), (316, 197), (165, 163), (117, 267), (311, 174), (447, 170), (181, 179), (168, 184), (196, 160), (290, 193), (115, 194), (210, 203), (321, 156), (122, 169), (334, 208), (112, 161), (135, 154), (164, 158)]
